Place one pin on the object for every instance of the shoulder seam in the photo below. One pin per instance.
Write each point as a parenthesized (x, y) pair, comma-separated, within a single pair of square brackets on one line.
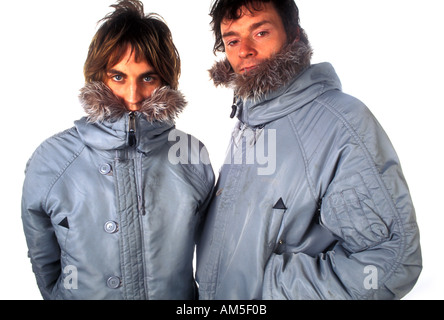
[(198, 174), (304, 157), (60, 173)]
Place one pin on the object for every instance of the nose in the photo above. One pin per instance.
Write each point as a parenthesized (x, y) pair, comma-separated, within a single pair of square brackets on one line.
[(133, 96), (247, 49)]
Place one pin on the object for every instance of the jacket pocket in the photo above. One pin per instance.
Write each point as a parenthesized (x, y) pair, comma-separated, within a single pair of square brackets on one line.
[(62, 230), (350, 213), (276, 216)]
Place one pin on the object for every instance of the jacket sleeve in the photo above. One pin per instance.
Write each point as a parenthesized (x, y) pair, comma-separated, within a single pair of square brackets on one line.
[(196, 161), (368, 208), (205, 171), (43, 248)]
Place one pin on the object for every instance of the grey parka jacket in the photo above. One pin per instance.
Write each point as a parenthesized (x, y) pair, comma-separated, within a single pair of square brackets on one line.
[(111, 207), (311, 202)]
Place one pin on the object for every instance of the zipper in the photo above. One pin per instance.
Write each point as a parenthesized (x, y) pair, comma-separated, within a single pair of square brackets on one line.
[(137, 158), (132, 140)]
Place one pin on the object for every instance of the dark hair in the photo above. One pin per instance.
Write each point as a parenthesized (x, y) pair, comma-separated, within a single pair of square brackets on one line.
[(148, 36), (230, 9)]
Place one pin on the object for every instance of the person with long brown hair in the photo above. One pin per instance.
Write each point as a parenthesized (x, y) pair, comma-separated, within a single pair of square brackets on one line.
[(111, 207)]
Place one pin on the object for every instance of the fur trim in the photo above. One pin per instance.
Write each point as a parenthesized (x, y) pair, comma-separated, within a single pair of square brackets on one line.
[(100, 104), (269, 76)]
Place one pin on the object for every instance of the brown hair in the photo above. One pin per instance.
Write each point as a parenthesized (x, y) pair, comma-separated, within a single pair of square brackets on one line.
[(230, 9), (148, 36)]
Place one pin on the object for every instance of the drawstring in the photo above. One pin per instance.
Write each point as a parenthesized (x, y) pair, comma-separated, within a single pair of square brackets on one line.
[(233, 108)]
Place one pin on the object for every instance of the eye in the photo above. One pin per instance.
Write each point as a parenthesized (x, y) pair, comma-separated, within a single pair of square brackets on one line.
[(262, 33), (117, 78), (231, 43), (148, 79)]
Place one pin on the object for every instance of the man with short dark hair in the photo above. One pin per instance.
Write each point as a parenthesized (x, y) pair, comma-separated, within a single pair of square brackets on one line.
[(311, 202)]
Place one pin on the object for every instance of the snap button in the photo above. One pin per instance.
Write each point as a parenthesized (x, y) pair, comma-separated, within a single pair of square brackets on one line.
[(105, 169), (113, 282), (111, 227)]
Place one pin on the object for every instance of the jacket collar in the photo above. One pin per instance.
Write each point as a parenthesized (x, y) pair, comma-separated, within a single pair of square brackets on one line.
[(279, 86), (306, 87), (106, 126), (100, 104)]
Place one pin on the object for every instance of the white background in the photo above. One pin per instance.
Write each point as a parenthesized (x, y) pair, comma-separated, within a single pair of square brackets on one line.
[(389, 54)]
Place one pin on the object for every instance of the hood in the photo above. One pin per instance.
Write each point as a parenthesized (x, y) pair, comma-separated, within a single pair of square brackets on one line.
[(271, 75), (281, 85), (100, 104), (107, 125)]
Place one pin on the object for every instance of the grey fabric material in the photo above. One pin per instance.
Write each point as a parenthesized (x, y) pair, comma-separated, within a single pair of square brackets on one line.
[(104, 220), (327, 216)]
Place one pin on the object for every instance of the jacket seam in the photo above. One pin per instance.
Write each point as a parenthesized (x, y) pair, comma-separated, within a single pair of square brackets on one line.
[(60, 173), (369, 159), (198, 174), (305, 159), (270, 278)]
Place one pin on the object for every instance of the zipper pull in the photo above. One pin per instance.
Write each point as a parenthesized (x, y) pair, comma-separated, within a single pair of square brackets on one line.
[(132, 130), (233, 108)]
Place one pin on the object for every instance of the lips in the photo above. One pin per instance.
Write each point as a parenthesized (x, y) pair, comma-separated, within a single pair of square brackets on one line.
[(247, 69)]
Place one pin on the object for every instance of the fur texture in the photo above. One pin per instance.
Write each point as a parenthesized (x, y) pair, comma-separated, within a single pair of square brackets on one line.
[(269, 76), (100, 104)]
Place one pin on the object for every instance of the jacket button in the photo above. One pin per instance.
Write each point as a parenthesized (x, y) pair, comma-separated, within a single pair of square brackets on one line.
[(105, 169), (111, 227), (113, 282), (219, 192)]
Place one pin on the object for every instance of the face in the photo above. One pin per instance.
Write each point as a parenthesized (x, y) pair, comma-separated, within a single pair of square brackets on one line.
[(132, 81), (253, 38)]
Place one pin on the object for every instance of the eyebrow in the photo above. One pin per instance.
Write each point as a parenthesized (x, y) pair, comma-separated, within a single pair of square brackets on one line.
[(251, 28), (120, 73), (114, 71)]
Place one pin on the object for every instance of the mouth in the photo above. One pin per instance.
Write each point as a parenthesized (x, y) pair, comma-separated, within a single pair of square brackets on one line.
[(247, 69)]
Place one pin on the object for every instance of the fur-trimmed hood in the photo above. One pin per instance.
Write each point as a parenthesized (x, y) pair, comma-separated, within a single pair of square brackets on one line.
[(279, 86), (100, 104), (106, 126), (271, 75)]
